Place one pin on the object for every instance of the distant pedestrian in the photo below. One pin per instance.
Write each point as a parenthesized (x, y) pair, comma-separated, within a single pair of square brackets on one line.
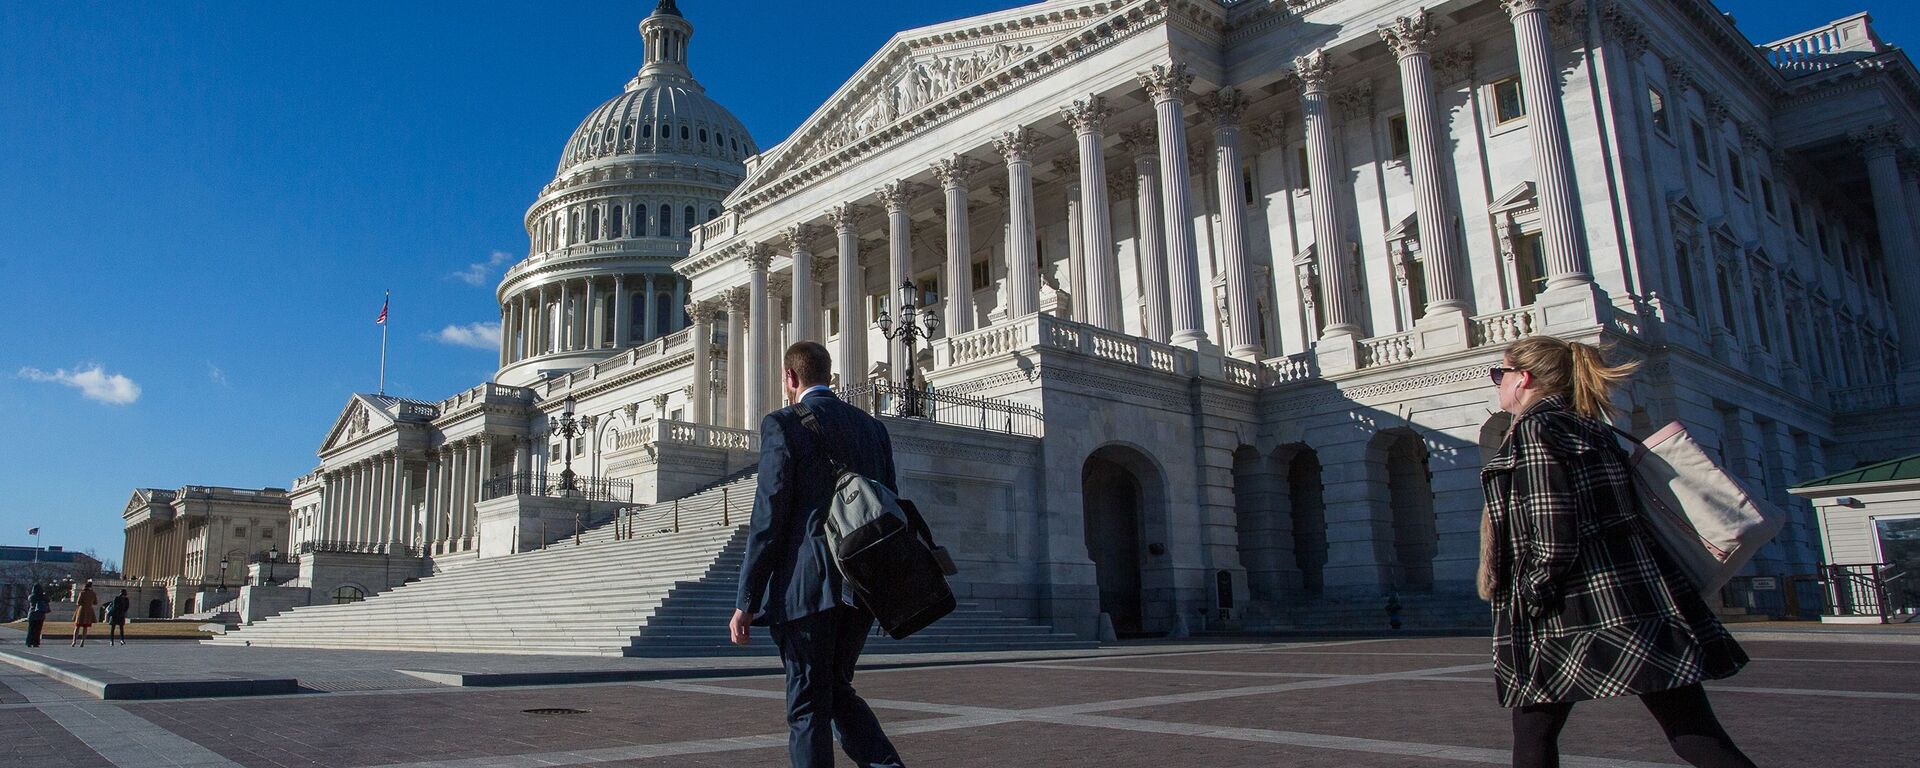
[(83, 614), (789, 581), (1586, 604), (38, 606), (117, 618)]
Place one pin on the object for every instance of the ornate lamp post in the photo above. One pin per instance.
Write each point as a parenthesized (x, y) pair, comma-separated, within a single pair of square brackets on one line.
[(910, 329), (223, 574), (273, 556), (569, 428)]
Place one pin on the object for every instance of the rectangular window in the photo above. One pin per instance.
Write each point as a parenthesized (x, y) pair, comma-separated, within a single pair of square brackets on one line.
[(1306, 178), (1246, 186), (1657, 104), (1766, 196), (929, 286), (1683, 264), (1398, 144), (1531, 262), (1760, 316), (1726, 303), (982, 275), (1416, 290), (833, 320), (266, 533), (1701, 154), (1508, 102), (1799, 224), (240, 533), (1736, 171)]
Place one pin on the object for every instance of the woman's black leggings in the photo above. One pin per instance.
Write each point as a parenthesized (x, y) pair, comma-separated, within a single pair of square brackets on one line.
[(1683, 713)]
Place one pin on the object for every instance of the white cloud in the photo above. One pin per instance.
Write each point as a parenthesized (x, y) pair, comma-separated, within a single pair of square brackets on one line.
[(93, 382), (217, 376), (481, 335), (478, 274)]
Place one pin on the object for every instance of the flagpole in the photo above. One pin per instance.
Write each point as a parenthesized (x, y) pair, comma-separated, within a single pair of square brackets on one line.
[(383, 342)]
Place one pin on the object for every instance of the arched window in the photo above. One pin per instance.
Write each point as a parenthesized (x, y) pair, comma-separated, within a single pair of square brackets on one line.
[(685, 134), (713, 213), (616, 226), (637, 318), (626, 133), (593, 224), (663, 312), (646, 131), (689, 220), (640, 220), (348, 594), (703, 135), (666, 221), (735, 143)]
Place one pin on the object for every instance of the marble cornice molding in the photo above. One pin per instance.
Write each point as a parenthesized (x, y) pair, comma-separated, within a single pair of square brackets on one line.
[(1121, 21)]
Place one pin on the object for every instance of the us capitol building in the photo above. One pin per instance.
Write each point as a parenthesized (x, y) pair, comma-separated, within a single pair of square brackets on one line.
[(1212, 289)]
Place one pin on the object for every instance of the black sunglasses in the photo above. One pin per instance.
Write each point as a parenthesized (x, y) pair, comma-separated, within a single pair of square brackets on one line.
[(1497, 372)]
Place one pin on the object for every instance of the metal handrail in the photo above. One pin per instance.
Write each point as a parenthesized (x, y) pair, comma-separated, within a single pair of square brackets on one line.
[(882, 398), (548, 484)]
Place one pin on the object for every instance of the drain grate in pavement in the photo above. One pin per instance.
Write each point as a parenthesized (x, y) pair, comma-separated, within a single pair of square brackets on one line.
[(556, 711)]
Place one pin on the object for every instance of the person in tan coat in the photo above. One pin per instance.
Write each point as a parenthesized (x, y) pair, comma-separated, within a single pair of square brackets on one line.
[(84, 609)]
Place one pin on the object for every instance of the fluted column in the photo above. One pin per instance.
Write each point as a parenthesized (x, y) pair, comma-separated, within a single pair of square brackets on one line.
[(1168, 87), (674, 317), (1148, 220), (456, 493), (776, 311), (650, 324), (622, 309), (1560, 234), (806, 296), (1100, 273), (895, 195), (736, 301), (1243, 316), (430, 500), (1880, 146), (564, 342), (397, 492), (1069, 168), (1023, 268), (702, 314), (484, 467), (506, 334), (1330, 249), (952, 173), (754, 398), (1411, 38), (853, 311)]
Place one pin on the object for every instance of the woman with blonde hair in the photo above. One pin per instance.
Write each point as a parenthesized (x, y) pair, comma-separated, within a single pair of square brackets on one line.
[(1585, 603), (84, 607)]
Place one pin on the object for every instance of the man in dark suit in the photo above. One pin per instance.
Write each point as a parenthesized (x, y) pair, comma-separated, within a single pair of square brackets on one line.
[(789, 582)]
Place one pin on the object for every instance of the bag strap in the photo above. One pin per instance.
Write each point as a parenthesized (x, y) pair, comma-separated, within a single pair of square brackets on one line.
[(811, 420)]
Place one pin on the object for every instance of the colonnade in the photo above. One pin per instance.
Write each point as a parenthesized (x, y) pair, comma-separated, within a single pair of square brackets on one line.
[(1169, 261), (154, 550), (370, 505), (590, 313)]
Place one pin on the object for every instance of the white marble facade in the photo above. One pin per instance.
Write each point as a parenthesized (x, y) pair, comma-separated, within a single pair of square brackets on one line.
[(1249, 260)]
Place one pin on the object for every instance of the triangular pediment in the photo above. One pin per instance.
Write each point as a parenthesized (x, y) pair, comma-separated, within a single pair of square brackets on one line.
[(362, 416), (922, 70), (1408, 228), (1684, 207), (1521, 196)]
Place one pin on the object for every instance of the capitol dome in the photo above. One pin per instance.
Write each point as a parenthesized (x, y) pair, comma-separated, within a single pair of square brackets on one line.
[(636, 176)]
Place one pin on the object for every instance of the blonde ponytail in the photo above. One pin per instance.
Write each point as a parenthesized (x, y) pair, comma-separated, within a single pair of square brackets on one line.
[(1573, 368)]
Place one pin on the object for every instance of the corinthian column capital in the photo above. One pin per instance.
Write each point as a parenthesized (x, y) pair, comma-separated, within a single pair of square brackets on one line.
[(844, 217), (1314, 71), (953, 171), (1167, 82), (1225, 106), (758, 256), (895, 195), (1517, 7), (1015, 145), (1409, 35), (1088, 115), (798, 234)]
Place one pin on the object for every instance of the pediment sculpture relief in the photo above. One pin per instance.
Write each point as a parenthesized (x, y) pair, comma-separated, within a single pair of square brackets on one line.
[(908, 87)]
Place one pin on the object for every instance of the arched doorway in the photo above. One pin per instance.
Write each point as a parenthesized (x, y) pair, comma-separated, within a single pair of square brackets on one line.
[(156, 609), (1410, 496), (1119, 488), (1309, 511)]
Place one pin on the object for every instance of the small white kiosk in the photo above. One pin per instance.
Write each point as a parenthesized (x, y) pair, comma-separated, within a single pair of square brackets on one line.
[(1870, 534)]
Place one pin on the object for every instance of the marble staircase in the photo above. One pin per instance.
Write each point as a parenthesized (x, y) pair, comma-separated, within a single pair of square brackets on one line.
[(637, 586)]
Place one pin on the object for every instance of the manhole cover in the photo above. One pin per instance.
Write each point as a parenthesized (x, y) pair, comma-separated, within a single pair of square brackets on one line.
[(556, 711)]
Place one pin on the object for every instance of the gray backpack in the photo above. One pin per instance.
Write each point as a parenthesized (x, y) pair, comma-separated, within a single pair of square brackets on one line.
[(883, 547)]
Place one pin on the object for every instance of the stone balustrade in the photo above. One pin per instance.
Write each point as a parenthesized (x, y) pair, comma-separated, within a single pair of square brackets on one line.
[(1389, 350), (1817, 50), (1504, 327)]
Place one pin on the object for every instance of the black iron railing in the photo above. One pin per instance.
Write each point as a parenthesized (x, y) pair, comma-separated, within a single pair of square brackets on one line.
[(549, 484), (1868, 589), (887, 399)]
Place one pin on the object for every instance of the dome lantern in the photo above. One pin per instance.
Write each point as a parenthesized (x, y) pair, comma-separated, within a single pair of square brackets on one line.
[(665, 34)]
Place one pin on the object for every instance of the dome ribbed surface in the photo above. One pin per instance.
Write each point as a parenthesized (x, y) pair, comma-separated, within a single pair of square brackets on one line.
[(658, 118)]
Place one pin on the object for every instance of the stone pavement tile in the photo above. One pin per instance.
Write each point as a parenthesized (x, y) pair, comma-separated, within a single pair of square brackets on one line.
[(1466, 714), (30, 738), (1479, 644), (1047, 745), (1856, 651), (1830, 675), (344, 730), (1009, 687), (1325, 662), (8, 695)]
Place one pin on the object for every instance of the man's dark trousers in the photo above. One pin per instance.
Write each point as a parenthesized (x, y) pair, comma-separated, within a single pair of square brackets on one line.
[(819, 651)]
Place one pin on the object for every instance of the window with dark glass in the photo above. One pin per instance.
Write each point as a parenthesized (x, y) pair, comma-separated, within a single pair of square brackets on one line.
[(1657, 107), (982, 275), (1726, 303), (1766, 195), (1509, 102), (640, 220), (646, 131), (1799, 224), (616, 223), (1306, 178), (713, 213), (703, 135), (685, 135), (1398, 145), (1246, 186), (666, 221), (689, 220), (1683, 264), (1531, 262), (1701, 154), (593, 224), (1736, 170)]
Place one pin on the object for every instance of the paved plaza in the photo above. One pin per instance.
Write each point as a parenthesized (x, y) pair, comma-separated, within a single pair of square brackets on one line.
[(1370, 702)]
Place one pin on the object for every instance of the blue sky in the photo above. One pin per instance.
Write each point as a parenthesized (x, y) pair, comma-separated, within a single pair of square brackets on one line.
[(201, 204)]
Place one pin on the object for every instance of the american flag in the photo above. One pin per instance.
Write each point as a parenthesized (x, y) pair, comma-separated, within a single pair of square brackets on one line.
[(33, 531), (382, 319)]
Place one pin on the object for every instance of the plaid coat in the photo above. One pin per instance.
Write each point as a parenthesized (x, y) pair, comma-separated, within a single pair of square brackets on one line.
[(1588, 605)]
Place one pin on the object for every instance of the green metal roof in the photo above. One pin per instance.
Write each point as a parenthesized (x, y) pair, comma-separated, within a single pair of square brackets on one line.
[(1904, 468)]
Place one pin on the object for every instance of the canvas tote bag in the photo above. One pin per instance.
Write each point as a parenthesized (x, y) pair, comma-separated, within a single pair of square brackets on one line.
[(1705, 519)]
